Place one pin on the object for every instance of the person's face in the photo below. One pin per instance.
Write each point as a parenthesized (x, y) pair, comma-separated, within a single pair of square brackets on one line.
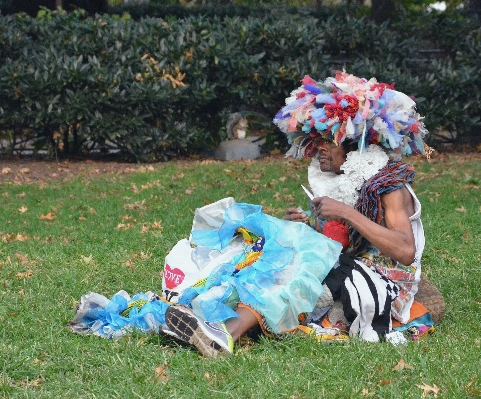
[(331, 157)]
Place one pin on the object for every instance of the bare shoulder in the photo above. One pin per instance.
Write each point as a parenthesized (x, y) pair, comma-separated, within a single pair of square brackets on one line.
[(399, 200)]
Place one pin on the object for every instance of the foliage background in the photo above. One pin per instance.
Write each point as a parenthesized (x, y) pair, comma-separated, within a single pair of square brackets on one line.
[(154, 87)]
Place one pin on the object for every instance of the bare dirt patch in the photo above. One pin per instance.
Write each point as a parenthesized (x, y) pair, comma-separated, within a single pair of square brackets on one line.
[(27, 172), (42, 172)]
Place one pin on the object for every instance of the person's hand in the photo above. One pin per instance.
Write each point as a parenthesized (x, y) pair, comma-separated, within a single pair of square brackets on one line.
[(296, 215), (329, 209)]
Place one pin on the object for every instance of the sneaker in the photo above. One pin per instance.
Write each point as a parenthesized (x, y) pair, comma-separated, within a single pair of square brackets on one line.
[(211, 339), (165, 331)]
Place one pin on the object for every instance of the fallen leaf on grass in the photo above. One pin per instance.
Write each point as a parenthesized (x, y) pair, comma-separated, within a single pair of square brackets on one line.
[(157, 225), (385, 382), (402, 365), (48, 216), (472, 391), (160, 373), (27, 274), (21, 237), (8, 237), (37, 382), (14, 237), (152, 184), (23, 258), (122, 226), (427, 388), (365, 392), (136, 205), (269, 210), (87, 259), (27, 383), (462, 209), (23, 209)]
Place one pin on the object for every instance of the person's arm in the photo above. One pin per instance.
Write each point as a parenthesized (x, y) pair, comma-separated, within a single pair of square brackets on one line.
[(396, 240)]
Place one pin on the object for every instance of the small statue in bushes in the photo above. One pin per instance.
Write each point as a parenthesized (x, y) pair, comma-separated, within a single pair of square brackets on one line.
[(236, 126), (238, 145)]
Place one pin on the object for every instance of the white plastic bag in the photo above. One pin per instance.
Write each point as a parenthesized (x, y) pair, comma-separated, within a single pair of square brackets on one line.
[(187, 265)]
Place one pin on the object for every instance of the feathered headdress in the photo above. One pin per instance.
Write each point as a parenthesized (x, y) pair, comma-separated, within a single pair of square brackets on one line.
[(350, 108)]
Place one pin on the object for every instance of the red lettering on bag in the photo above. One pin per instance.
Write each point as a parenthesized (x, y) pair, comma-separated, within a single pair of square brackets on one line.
[(173, 277)]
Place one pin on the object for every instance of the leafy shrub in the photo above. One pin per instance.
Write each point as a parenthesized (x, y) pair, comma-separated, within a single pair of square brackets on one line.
[(153, 88)]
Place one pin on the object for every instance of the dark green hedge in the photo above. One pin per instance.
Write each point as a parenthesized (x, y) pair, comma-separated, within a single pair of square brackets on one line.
[(159, 10), (154, 88)]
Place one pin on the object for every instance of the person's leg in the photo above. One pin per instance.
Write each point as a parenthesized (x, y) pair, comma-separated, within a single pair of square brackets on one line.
[(209, 338), (238, 326)]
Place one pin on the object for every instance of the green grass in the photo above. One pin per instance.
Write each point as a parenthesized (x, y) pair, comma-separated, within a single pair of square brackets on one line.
[(112, 232)]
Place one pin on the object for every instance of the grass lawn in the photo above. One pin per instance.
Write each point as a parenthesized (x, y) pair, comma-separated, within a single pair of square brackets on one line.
[(63, 238)]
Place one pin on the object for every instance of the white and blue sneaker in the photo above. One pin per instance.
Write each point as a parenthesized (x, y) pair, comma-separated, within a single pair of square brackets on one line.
[(211, 339)]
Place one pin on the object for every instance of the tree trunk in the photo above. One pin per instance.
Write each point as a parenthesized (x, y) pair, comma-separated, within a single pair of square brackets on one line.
[(382, 10)]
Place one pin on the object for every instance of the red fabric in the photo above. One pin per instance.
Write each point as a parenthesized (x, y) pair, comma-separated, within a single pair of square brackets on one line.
[(338, 231)]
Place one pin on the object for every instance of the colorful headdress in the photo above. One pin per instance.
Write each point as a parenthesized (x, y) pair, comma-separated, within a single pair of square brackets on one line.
[(350, 108)]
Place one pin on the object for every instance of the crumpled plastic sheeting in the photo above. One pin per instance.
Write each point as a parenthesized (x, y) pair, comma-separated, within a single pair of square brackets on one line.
[(284, 282), (99, 316)]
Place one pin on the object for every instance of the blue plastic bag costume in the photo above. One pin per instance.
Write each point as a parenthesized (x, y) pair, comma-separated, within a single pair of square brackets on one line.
[(284, 281)]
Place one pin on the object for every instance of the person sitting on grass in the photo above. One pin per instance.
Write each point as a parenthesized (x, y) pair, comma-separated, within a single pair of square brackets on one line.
[(242, 269), (357, 130)]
